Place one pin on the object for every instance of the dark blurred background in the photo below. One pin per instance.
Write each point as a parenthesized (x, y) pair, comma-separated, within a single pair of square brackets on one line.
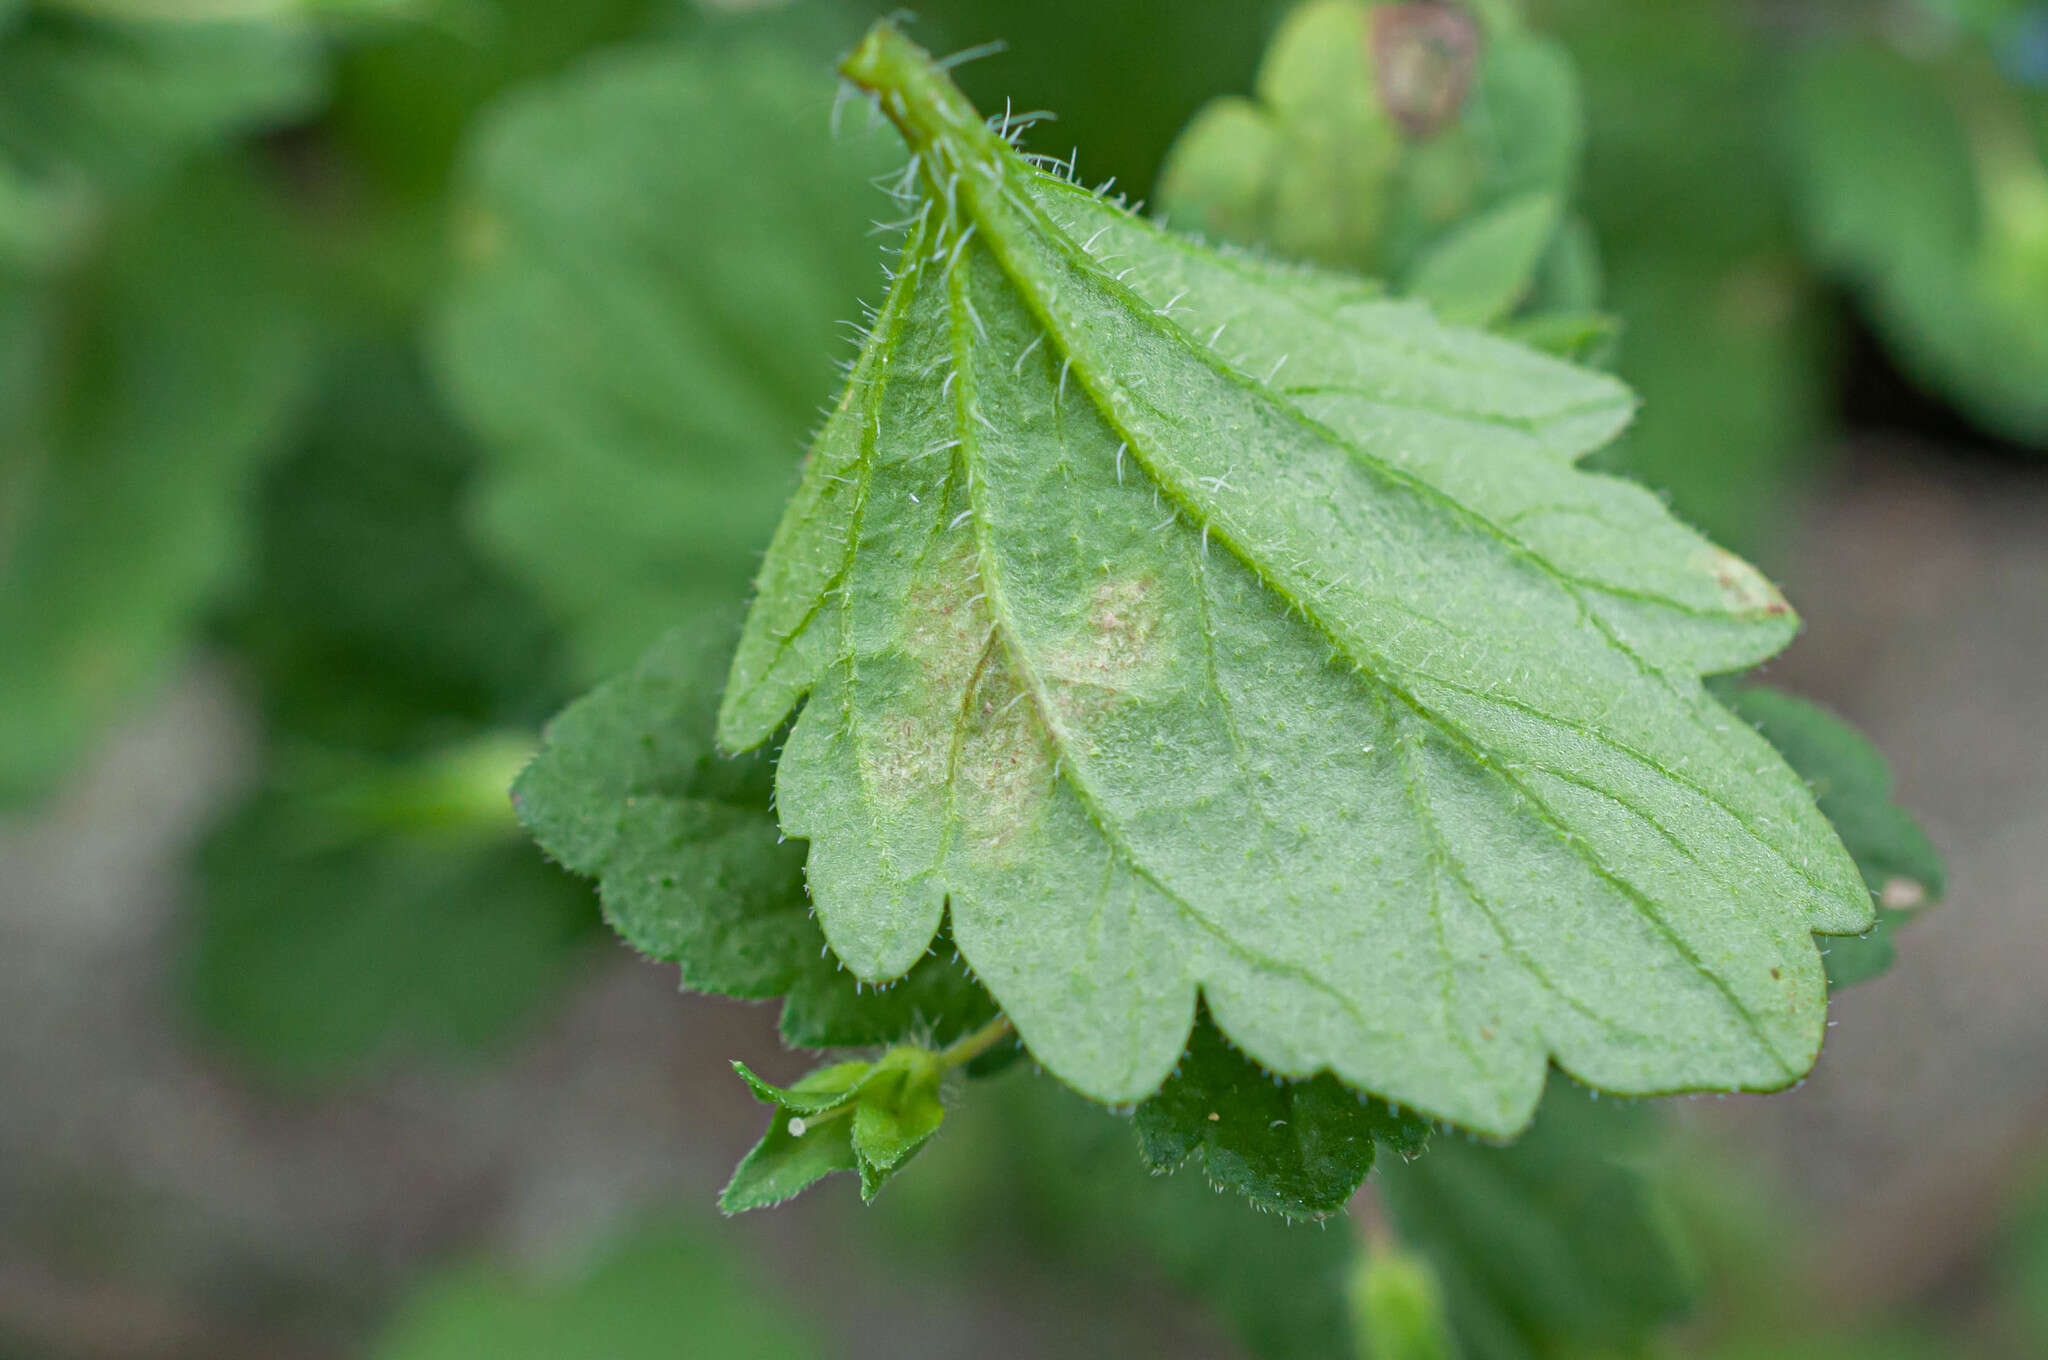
[(375, 375)]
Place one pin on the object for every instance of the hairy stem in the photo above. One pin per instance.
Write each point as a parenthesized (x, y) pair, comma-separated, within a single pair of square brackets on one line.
[(968, 1047)]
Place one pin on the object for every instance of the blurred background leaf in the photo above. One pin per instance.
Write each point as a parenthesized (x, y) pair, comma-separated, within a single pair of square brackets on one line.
[(1923, 184), (141, 393), (645, 325), (652, 1295)]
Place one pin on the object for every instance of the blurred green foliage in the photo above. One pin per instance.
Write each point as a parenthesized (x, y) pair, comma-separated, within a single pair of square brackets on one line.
[(642, 331), (655, 1294), (1924, 184)]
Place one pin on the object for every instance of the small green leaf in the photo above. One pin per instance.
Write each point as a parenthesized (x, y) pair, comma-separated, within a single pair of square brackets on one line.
[(690, 866), (865, 1116), (814, 1092), (1557, 1243), (1481, 270), (1300, 1149), (1854, 789), (786, 1162), (1184, 625), (1397, 1307), (897, 1111)]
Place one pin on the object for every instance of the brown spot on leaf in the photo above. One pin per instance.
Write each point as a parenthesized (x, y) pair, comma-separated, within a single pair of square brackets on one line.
[(1744, 589), (1117, 650), (1425, 56)]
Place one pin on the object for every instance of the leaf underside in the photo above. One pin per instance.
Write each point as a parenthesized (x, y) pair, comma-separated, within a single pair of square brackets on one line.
[(1189, 625), (1853, 788), (690, 868)]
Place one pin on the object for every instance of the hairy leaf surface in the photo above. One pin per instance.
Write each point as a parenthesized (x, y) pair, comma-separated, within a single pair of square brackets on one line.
[(1191, 624), (1853, 786), (1297, 1148), (690, 867)]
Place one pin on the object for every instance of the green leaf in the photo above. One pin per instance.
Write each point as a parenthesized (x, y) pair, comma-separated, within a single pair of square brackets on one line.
[(1481, 270), (1854, 789), (1556, 1244), (813, 1093), (1299, 1149), (1381, 138), (1925, 185), (1305, 167), (898, 1109), (643, 326), (865, 1116), (384, 914), (650, 1295), (135, 400), (1192, 625), (690, 866), (785, 1163)]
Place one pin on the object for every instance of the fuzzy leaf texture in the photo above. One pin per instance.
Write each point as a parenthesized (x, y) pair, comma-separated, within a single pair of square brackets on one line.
[(1191, 625), (626, 790), (870, 1117), (1298, 1149), (1853, 786)]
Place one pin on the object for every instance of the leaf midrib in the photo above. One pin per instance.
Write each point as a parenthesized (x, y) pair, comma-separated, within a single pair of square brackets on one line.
[(1001, 251)]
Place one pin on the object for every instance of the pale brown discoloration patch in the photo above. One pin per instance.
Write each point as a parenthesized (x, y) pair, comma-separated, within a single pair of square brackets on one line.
[(1005, 768), (960, 731), (1743, 587), (1117, 653), (945, 632)]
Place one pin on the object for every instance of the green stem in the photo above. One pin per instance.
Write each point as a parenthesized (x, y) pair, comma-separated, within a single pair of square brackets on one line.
[(921, 99), (968, 1047)]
